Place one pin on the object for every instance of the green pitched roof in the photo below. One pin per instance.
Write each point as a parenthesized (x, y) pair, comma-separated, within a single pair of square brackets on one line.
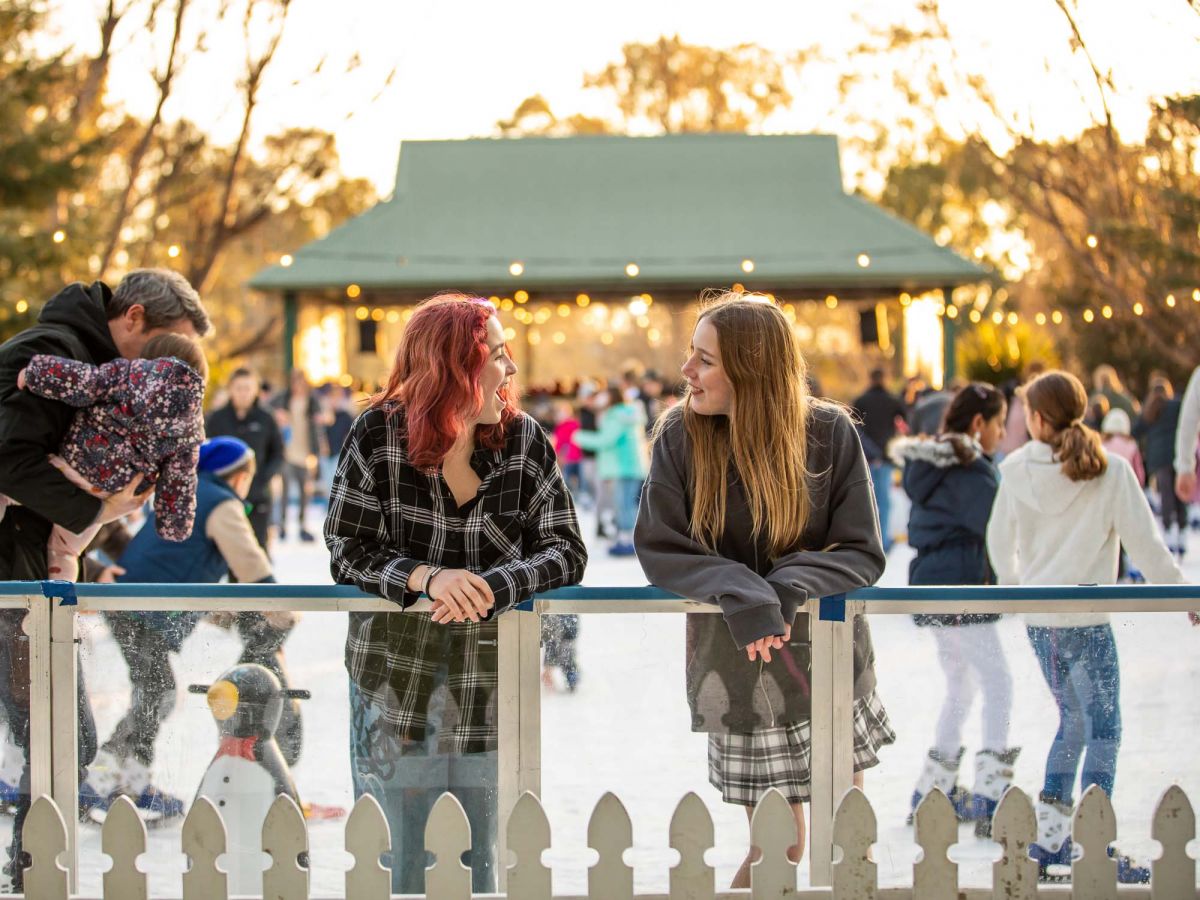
[(687, 209)]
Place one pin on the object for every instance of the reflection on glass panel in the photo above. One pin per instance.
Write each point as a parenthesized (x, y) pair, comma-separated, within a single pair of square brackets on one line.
[(208, 740), (1123, 727)]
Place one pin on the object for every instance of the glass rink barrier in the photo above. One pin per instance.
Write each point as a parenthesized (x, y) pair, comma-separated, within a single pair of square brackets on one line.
[(591, 714)]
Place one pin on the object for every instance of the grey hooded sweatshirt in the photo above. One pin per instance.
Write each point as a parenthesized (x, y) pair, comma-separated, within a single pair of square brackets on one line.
[(839, 552)]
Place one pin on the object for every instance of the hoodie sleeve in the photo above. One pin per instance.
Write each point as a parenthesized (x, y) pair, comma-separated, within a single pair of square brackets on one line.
[(1188, 430), (853, 554), (674, 561), (612, 427), (72, 382), (1001, 536), (175, 494), (1137, 529)]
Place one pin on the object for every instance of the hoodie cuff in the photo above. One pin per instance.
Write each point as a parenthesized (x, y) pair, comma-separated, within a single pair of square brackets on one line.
[(755, 623)]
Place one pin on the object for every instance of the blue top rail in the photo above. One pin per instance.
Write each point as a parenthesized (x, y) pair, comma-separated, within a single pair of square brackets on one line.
[(957, 593)]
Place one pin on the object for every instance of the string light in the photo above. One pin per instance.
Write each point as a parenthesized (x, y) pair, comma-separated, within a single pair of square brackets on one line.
[(739, 288), (582, 300), (1089, 316), (1092, 241), (353, 291), (863, 260), (998, 317), (393, 316), (1056, 317), (747, 266), (1106, 311), (377, 314), (173, 251), (516, 269), (505, 304), (564, 310), (1138, 309), (831, 301), (559, 337), (632, 270), (975, 316), (1196, 295), (1171, 300), (510, 334), (1013, 318), (362, 313), (1040, 318), (521, 296), (286, 260), (22, 306), (952, 311)]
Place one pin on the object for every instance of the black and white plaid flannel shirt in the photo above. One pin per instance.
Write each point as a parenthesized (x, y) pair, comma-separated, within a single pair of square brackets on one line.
[(387, 517)]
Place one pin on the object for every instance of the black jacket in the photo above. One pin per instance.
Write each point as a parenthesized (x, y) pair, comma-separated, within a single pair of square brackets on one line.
[(878, 410), (1158, 437), (951, 505), (260, 431), (73, 324)]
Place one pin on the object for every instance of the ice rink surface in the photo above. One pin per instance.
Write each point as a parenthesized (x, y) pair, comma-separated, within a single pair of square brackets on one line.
[(626, 730)]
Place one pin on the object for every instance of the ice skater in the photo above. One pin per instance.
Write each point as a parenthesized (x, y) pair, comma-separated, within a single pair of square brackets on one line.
[(952, 482), (1063, 510), (139, 421), (444, 489), (749, 476)]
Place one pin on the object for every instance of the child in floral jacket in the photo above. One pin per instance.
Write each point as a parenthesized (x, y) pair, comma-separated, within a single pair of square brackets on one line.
[(140, 418)]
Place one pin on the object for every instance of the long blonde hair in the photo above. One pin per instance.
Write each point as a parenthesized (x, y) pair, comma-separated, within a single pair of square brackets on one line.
[(765, 434)]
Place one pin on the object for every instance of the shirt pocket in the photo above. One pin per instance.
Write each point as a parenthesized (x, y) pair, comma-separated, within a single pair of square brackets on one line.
[(501, 536)]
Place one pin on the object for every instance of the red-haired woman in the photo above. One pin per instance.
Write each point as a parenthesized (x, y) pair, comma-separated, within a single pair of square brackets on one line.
[(445, 489)]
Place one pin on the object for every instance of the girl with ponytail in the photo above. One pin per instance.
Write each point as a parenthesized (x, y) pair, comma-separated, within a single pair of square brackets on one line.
[(1063, 510)]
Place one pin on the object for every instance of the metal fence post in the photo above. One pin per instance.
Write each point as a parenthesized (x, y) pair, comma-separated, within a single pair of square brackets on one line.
[(64, 723), (832, 732), (41, 740)]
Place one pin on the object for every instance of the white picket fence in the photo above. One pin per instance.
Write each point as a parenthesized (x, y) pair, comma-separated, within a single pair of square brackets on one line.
[(610, 834)]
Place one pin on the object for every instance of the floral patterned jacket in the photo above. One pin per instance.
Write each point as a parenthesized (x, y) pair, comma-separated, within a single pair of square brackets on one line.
[(140, 417)]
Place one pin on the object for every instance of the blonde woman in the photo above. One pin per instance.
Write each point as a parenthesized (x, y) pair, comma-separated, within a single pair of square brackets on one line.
[(758, 499)]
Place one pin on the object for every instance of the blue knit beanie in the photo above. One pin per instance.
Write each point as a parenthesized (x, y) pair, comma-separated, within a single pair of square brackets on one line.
[(220, 455)]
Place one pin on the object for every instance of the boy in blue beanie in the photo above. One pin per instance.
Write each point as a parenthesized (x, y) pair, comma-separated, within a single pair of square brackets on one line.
[(222, 543)]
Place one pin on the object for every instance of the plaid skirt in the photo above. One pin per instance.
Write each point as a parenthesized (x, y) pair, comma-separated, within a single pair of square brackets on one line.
[(742, 766)]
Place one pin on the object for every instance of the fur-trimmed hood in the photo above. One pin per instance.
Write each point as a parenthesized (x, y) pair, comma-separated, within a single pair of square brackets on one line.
[(941, 452)]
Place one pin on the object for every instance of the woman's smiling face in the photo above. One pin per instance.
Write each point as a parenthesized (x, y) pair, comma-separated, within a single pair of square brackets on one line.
[(709, 388), (498, 369)]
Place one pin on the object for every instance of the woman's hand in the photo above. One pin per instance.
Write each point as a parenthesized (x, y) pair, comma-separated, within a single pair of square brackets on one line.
[(459, 596), (763, 646)]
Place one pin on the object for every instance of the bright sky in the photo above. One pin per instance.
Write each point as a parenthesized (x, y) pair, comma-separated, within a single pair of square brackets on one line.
[(463, 64)]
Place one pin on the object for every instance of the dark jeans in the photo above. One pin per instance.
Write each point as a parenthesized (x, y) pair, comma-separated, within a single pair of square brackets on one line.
[(301, 478), (629, 491), (1174, 510), (1081, 668), (408, 776), (881, 482)]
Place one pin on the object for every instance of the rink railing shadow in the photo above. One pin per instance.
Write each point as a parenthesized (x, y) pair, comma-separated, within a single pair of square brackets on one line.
[(51, 629)]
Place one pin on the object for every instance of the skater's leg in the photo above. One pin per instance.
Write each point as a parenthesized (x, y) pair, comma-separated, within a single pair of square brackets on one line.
[(1101, 668), (1056, 651), (982, 649), (960, 688), (152, 698), (262, 643)]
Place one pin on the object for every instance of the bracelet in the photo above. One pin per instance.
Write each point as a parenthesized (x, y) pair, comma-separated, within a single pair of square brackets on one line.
[(429, 575)]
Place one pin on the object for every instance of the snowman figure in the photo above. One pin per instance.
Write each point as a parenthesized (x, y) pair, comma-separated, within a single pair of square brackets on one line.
[(248, 771)]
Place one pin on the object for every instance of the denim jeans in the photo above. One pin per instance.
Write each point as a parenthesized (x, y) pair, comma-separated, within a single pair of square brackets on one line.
[(629, 491), (1081, 668), (881, 483), (408, 776)]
